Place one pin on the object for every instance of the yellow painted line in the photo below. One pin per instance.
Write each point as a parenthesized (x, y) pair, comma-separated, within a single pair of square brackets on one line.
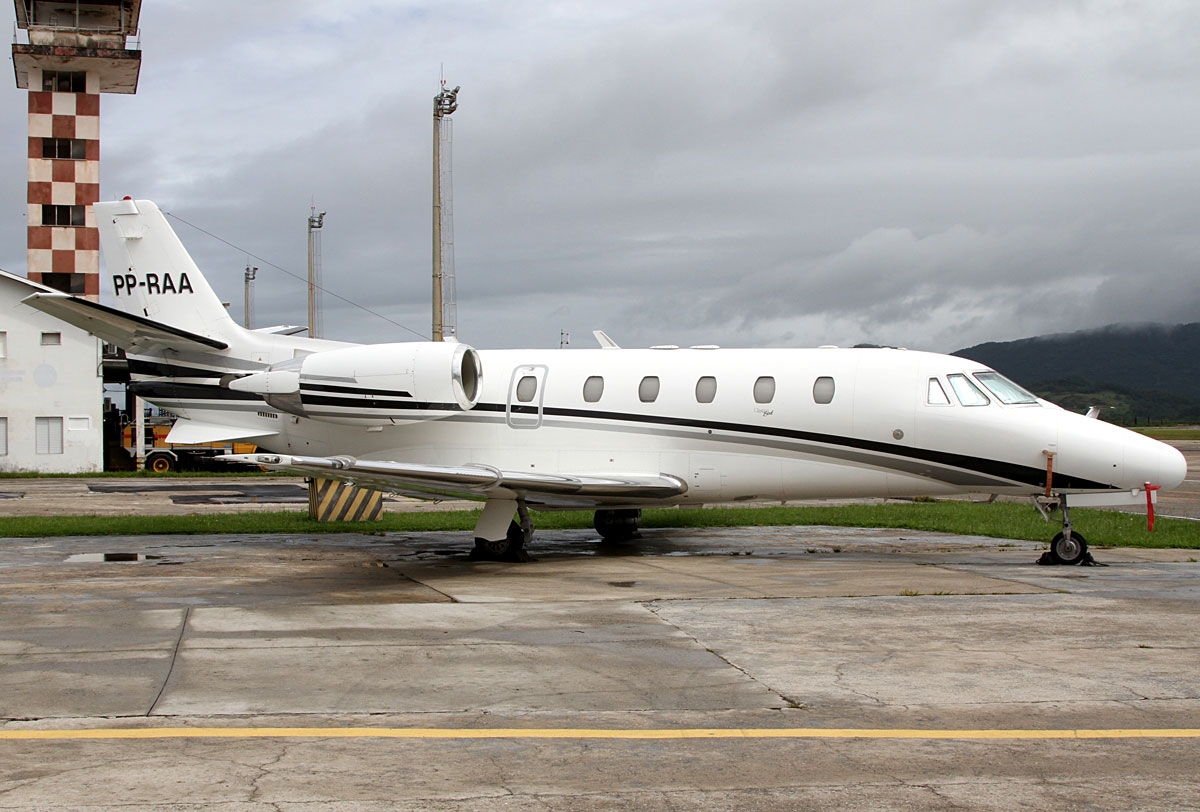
[(584, 733)]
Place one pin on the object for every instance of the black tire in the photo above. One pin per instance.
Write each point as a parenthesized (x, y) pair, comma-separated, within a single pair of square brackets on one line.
[(1068, 552), (160, 463), (509, 548), (617, 525)]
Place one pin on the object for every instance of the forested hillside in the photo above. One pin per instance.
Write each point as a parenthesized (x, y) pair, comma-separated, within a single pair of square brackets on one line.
[(1138, 373)]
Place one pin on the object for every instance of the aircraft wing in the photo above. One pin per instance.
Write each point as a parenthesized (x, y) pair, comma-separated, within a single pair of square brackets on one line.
[(132, 333), (476, 481)]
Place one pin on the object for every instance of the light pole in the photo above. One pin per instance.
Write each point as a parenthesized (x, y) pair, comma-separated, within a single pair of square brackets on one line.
[(444, 103)]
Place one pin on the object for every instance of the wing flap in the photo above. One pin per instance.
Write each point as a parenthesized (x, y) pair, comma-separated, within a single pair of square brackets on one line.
[(476, 480), (193, 432), (132, 333)]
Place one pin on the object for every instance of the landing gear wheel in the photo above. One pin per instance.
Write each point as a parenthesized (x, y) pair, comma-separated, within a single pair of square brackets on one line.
[(1068, 551), (160, 463), (510, 548), (617, 525)]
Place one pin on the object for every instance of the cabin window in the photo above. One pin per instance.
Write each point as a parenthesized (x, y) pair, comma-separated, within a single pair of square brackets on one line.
[(1005, 390), (764, 389), (706, 389), (593, 388), (968, 393), (823, 389), (937, 395), (64, 148), (54, 215), (48, 435), (63, 81), (51, 339), (648, 389), (526, 388)]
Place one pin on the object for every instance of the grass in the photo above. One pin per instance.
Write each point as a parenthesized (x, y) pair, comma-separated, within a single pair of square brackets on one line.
[(1169, 433), (1102, 528)]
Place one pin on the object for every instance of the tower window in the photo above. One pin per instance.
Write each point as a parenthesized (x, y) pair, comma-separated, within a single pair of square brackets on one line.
[(53, 215), (73, 283), (64, 148), (64, 81)]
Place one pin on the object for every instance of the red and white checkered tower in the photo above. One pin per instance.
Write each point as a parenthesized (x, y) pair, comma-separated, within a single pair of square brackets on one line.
[(75, 52)]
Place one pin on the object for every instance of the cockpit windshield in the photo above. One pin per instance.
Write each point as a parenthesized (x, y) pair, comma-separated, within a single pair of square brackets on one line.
[(1005, 390)]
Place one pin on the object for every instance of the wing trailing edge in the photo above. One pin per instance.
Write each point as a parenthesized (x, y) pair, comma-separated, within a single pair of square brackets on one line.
[(476, 481)]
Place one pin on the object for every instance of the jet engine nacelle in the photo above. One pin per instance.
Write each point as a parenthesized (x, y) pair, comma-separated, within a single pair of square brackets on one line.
[(369, 383)]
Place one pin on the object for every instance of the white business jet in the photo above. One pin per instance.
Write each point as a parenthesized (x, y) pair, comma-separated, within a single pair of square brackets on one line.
[(609, 429)]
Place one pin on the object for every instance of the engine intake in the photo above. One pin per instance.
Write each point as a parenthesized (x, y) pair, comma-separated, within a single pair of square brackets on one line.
[(420, 380)]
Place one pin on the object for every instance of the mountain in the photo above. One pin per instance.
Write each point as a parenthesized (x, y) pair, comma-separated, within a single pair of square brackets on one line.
[(1138, 372)]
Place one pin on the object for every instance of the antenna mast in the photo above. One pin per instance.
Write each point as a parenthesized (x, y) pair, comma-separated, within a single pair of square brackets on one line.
[(445, 309), (248, 310)]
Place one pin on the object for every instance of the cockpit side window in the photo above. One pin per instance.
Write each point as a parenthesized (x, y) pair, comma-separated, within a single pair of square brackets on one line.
[(1005, 390), (937, 394), (968, 393)]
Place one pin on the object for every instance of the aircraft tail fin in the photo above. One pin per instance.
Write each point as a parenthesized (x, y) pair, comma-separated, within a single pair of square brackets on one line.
[(153, 276)]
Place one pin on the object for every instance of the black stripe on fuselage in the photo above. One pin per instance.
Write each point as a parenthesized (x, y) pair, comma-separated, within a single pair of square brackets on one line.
[(997, 469)]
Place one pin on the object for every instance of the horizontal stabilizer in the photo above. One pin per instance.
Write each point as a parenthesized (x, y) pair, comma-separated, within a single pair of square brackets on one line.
[(432, 481), (134, 334), (192, 432)]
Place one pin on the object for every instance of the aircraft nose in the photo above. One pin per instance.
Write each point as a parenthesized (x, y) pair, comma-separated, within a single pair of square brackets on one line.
[(1155, 462)]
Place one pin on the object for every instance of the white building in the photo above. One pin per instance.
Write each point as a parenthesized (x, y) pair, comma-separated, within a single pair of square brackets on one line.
[(51, 389)]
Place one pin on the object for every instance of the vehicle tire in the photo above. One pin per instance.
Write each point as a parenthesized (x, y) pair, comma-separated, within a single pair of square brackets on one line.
[(617, 525), (161, 463), (1068, 552)]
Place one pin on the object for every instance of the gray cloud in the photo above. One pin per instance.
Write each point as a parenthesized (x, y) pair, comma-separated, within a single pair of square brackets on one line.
[(744, 174)]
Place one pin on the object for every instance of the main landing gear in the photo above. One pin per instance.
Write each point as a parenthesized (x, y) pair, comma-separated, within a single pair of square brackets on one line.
[(617, 525), (511, 546), (496, 542), (1067, 547)]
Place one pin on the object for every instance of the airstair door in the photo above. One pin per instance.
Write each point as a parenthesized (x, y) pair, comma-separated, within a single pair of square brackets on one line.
[(525, 392)]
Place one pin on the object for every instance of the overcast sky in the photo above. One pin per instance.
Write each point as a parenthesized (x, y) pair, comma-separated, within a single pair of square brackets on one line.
[(753, 173)]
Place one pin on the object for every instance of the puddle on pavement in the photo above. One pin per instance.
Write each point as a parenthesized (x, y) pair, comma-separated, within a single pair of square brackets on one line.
[(106, 558)]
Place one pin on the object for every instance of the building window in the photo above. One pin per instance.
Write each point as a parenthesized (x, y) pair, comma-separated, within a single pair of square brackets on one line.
[(648, 389), (706, 389), (3, 344), (823, 389), (764, 390), (79, 423), (64, 81), (593, 388), (48, 435), (51, 339), (64, 148), (3, 436), (54, 215)]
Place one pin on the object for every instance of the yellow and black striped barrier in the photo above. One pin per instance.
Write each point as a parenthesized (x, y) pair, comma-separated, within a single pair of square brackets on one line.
[(333, 501)]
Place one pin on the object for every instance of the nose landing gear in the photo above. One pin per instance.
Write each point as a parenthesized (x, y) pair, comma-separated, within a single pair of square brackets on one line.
[(1067, 547)]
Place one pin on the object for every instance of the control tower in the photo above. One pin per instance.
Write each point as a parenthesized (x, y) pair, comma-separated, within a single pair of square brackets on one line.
[(75, 52)]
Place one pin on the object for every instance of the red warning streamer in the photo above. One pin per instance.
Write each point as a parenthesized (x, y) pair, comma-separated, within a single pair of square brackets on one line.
[(1150, 489)]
